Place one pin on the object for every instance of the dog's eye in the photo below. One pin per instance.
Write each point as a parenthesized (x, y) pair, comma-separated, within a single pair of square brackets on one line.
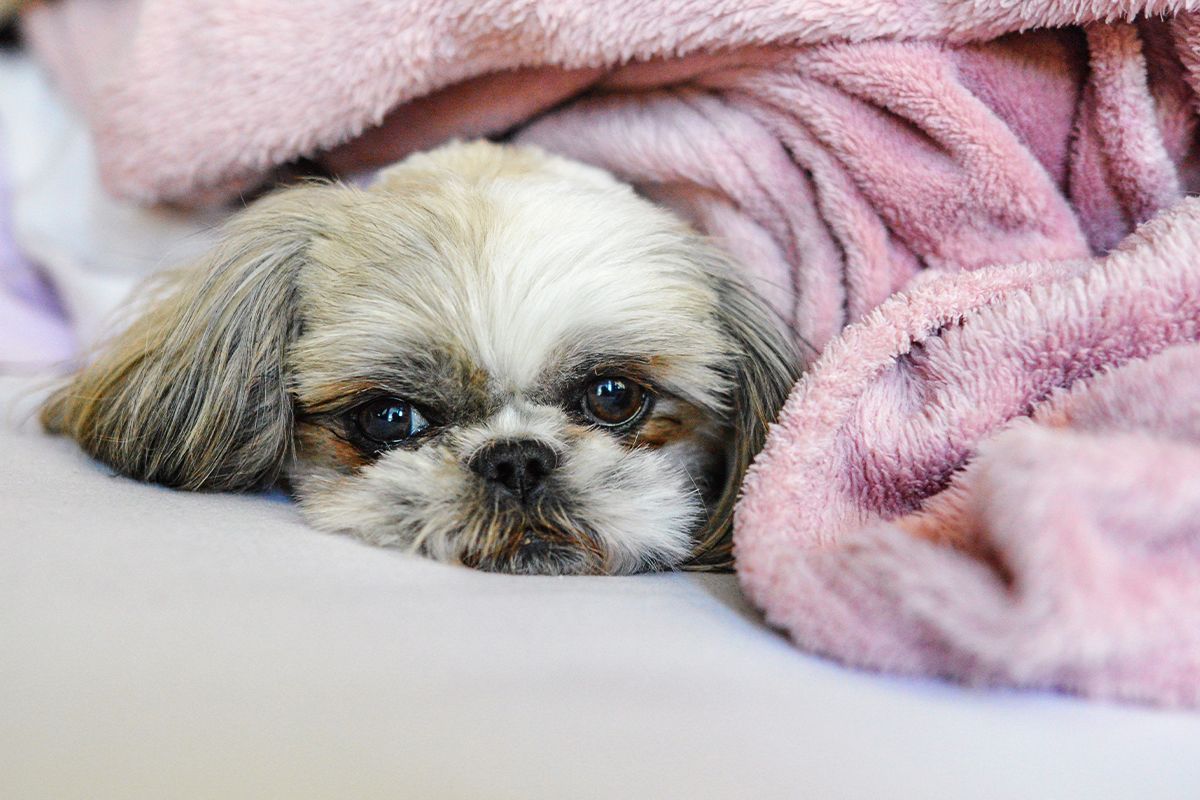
[(613, 401), (389, 419)]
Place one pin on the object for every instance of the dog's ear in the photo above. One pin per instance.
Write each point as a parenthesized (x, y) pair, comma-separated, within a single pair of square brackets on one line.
[(193, 394), (766, 364)]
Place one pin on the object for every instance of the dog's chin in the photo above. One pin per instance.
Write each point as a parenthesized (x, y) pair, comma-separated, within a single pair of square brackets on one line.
[(528, 546), (604, 513)]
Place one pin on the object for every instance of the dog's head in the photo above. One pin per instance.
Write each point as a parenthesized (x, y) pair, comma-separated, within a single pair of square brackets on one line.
[(491, 355)]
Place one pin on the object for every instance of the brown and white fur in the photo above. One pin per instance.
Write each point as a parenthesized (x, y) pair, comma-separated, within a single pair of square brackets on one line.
[(488, 287)]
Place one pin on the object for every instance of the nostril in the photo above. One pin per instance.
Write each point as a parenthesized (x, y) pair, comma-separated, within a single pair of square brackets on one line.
[(538, 464), (505, 472), (520, 467)]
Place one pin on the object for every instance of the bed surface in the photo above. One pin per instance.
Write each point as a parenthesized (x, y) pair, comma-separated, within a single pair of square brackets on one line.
[(160, 644)]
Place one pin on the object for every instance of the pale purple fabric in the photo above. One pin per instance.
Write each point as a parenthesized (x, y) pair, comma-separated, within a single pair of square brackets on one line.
[(33, 328)]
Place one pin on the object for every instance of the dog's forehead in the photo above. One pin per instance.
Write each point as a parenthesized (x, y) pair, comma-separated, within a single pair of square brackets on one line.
[(510, 280), (565, 275)]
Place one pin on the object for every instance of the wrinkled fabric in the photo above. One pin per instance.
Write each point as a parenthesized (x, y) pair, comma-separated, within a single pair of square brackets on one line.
[(836, 149), (994, 477)]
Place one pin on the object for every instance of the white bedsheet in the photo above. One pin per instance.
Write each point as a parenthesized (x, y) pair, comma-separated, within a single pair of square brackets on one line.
[(158, 644)]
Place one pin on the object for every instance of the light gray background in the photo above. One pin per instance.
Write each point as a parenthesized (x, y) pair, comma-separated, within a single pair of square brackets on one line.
[(156, 644)]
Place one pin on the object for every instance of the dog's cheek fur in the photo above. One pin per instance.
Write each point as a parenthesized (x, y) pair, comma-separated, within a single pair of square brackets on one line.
[(408, 499), (321, 446), (765, 366), (640, 504)]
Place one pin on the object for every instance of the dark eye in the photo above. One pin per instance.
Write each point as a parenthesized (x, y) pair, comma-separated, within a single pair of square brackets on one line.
[(612, 401), (387, 420)]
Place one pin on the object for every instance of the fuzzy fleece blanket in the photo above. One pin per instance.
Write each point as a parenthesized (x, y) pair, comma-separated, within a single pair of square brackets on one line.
[(981, 157), (994, 477)]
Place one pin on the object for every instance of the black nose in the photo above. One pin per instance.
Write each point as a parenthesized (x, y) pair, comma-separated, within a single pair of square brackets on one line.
[(520, 466)]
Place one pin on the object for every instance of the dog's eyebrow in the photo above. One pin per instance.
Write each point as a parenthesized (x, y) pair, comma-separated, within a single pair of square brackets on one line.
[(564, 374), (447, 384), (581, 365), (337, 396)]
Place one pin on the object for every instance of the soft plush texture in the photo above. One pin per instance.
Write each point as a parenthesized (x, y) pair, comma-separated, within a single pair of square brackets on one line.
[(1067, 552), (981, 158), (834, 170)]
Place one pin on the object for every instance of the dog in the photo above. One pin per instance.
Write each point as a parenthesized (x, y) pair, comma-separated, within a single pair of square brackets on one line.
[(490, 355)]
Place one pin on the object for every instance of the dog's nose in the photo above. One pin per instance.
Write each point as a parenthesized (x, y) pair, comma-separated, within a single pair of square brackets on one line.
[(520, 467)]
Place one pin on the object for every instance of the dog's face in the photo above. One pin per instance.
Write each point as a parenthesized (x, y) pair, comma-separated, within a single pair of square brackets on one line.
[(491, 356)]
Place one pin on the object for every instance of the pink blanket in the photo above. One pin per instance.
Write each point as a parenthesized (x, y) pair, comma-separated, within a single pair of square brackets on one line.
[(843, 152), (899, 518)]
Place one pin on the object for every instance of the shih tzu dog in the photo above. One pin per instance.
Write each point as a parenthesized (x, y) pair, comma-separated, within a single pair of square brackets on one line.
[(491, 356)]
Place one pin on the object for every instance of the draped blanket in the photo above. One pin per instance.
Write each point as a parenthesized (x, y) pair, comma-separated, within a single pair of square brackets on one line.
[(988, 476)]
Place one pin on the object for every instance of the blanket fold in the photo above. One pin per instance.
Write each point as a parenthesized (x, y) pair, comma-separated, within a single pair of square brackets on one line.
[(900, 518), (836, 152), (965, 482)]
